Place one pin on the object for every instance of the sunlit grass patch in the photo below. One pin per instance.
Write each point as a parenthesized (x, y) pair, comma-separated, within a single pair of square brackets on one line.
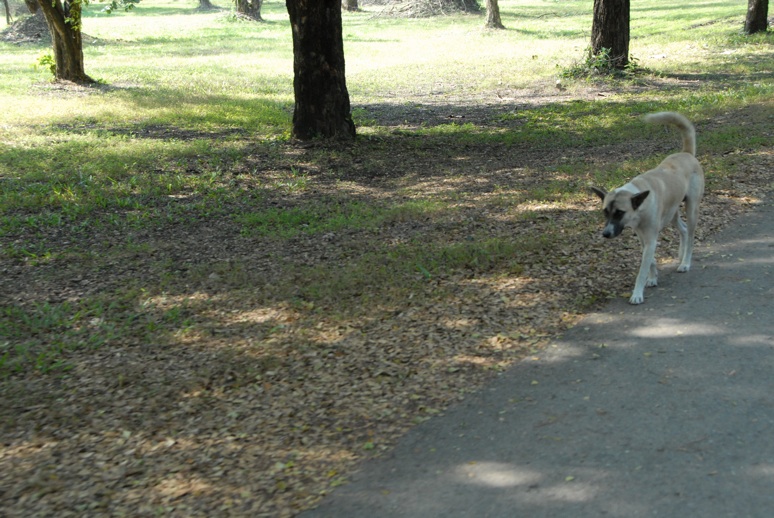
[(320, 218), (388, 276), (330, 216)]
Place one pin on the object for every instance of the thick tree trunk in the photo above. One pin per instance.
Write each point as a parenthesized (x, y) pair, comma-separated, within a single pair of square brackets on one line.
[(350, 5), (610, 31), (322, 106), (206, 5), (250, 8), (757, 16), (64, 25), (493, 20)]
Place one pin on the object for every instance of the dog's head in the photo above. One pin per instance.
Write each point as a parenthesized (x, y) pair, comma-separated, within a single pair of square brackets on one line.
[(620, 207)]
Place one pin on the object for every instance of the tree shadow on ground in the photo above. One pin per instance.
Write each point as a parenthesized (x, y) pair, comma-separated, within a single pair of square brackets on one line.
[(246, 371)]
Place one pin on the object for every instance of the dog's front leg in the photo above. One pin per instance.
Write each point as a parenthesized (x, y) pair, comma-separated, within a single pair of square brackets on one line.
[(648, 274)]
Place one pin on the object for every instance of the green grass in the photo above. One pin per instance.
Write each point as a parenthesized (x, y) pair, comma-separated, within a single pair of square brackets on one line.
[(41, 336), (190, 124), (331, 215)]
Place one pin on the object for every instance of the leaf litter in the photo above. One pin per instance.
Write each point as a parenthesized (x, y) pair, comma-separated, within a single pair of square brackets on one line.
[(257, 372)]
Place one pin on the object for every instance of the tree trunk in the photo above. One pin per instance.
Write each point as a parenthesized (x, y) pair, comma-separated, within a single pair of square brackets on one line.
[(610, 31), (8, 19), (206, 5), (64, 24), (493, 20), (250, 8), (757, 13), (469, 6), (350, 5), (322, 102)]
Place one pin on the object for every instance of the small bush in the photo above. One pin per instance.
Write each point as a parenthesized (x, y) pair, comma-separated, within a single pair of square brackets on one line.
[(47, 60), (601, 64)]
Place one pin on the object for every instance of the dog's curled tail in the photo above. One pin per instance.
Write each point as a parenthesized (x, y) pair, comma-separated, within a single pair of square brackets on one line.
[(684, 125)]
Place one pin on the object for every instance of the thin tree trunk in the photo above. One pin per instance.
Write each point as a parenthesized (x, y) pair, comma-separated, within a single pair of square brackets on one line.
[(64, 25), (350, 5), (757, 16), (8, 18), (610, 31), (322, 106), (493, 20)]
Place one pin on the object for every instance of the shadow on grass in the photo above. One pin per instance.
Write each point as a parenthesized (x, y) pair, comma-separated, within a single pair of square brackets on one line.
[(256, 366)]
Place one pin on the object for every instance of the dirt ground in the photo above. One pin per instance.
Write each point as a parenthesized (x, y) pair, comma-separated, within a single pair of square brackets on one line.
[(268, 404), (211, 423), (27, 29)]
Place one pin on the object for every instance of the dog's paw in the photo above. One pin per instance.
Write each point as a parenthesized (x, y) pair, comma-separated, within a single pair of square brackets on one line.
[(683, 268), (652, 282), (636, 299)]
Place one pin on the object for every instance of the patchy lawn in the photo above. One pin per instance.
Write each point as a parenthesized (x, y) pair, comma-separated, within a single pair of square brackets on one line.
[(238, 353)]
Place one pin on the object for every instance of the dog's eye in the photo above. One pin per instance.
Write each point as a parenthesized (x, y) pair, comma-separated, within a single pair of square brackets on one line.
[(618, 214)]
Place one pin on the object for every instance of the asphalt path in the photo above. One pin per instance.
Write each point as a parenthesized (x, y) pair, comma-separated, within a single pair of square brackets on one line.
[(662, 409)]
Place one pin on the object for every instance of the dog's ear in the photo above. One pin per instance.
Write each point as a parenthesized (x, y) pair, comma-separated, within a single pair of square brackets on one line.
[(637, 199), (599, 192)]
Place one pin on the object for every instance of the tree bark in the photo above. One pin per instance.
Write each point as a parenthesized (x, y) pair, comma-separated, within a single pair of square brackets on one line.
[(250, 8), (757, 16), (493, 20), (322, 106), (610, 31), (8, 18), (64, 24)]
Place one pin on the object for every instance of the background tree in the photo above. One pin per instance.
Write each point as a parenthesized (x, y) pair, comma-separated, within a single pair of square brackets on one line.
[(8, 18), (350, 5), (757, 13), (249, 8), (493, 20), (64, 23), (322, 106), (206, 5), (610, 31)]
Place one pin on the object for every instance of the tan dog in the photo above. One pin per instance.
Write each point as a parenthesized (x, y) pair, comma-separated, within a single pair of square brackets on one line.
[(652, 200)]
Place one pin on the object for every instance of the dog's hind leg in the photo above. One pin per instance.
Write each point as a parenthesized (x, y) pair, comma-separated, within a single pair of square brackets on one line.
[(687, 233), (692, 201), (652, 275), (682, 229)]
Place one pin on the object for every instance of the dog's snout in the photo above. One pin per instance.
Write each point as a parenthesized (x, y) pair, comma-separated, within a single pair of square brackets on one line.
[(611, 230)]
